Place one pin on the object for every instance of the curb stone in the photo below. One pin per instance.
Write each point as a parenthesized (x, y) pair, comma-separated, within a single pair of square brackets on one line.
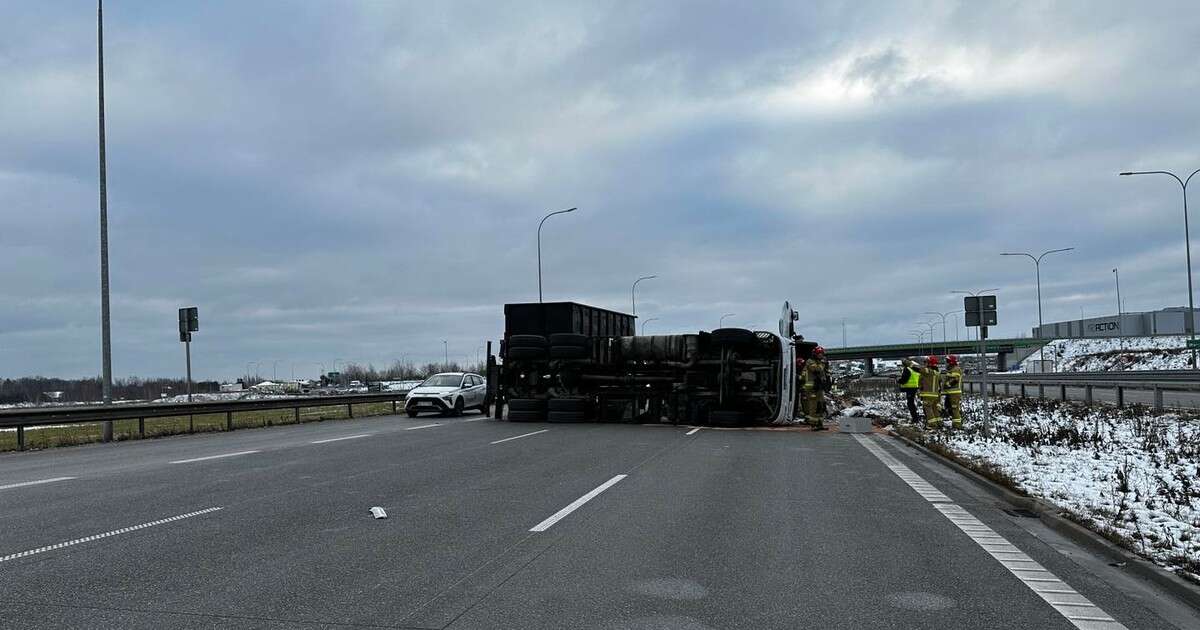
[(1051, 515)]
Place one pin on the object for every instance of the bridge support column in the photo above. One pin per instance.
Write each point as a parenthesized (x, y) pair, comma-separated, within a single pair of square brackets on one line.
[(1001, 361), (869, 367)]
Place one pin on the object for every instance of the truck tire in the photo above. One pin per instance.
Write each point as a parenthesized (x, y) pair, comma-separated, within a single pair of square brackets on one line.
[(726, 418), (567, 416), (733, 337), (569, 352), (526, 416), (526, 354), (574, 405), (568, 339), (526, 341), (527, 404)]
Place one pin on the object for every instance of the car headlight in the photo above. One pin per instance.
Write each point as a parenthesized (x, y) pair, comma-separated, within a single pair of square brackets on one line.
[(448, 397)]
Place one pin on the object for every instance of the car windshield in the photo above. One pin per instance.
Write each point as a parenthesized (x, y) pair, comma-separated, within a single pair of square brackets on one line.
[(443, 380)]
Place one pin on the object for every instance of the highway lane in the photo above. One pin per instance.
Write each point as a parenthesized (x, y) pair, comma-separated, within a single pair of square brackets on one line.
[(708, 529)]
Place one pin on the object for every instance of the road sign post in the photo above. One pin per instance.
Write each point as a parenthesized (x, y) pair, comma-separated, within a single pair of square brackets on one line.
[(189, 322), (980, 311)]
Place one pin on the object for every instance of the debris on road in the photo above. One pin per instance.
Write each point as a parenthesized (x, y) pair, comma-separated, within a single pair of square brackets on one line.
[(378, 512)]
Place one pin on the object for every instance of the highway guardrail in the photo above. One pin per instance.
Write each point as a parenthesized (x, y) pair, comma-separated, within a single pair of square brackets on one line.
[(1156, 382)]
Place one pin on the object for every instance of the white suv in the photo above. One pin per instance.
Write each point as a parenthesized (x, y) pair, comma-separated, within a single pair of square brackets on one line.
[(448, 393)]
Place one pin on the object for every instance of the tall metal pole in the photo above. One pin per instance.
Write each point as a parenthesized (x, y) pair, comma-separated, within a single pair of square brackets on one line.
[(633, 291), (1118, 276), (843, 332), (1037, 265), (105, 335), (539, 252), (652, 319), (446, 351), (1190, 320), (721, 322), (188, 349)]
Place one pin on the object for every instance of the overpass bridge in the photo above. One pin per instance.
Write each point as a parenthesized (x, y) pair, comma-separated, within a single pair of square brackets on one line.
[(1006, 350)]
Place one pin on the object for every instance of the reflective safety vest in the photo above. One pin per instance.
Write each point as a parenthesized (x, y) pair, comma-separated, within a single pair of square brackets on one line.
[(929, 382), (914, 379), (952, 381)]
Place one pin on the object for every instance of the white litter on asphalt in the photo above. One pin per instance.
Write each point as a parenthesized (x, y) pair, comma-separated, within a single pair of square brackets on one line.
[(1073, 606), (378, 512), (115, 532), (34, 483)]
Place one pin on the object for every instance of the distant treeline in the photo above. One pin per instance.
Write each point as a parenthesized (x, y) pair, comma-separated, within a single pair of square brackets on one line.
[(404, 371), (39, 389)]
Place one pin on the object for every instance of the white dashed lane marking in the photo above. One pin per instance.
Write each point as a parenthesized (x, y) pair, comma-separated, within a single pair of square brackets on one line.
[(517, 437), (34, 483), (423, 426), (115, 532), (339, 439), (692, 431), (1076, 608), (204, 459), (575, 505)]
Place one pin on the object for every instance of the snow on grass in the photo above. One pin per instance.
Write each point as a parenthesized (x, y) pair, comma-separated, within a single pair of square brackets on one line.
[(1130, 474), (1129, 353)]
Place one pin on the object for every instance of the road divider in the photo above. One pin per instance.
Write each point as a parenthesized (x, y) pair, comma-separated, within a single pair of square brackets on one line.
[(35, 483), (115, 532), (576, 504), (339, 439), (1068, 602), (204, 459), (517, 437)]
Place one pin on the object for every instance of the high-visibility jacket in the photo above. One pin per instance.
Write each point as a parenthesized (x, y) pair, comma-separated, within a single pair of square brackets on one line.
[(952, 381), (929, 382), (912, 380)]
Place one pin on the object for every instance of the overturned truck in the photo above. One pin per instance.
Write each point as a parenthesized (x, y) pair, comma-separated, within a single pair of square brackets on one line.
[(569, 362)]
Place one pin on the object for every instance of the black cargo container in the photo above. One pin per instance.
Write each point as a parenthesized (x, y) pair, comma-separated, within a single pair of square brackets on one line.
[(565, 317)]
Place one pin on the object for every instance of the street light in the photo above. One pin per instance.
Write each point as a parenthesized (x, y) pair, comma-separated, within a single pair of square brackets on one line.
[(539, 252), (945, 351), (932, 338), (1190, 322), (105, 320), (1037, 265), (721, 323), (652, 319), (274, 367), (633, 291), (446, 351)]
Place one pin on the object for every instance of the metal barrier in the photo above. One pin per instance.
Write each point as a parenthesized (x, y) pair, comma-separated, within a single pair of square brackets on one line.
[(44, 416), (1089, 382)]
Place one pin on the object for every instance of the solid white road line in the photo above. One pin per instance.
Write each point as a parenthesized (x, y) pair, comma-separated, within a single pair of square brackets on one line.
[(339, 439), (517, 437), (575, 505), (478, 419), (34, 483), (423, 426), (123, 530), (1079, 611), (692, 431), (201, 459)]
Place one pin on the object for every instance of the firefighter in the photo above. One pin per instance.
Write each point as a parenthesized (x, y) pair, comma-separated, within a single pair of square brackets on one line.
[(952, 390), (816, 382), (930, 392), (910, 382)]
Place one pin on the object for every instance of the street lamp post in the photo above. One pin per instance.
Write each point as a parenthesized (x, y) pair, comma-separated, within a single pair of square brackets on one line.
[(721, 322), (105, 328), (945, 343), (1190, 321), (539, 251), (274, 368), (1037, 265), (446, 353), (652, 319), (633, 291)]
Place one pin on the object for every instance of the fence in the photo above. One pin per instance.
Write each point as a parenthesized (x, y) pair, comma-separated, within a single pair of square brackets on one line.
[(48, 416)]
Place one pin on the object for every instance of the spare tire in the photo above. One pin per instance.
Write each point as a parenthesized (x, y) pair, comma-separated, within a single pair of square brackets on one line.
[(733, 337), (569, 339), (526, 354), (568, 404), (569, 352), (726, 418), (526, 416), (526, 404), (567, 416), (526, 341)]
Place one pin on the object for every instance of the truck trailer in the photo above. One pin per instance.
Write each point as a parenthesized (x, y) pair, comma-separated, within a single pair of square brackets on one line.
[(570, 362)]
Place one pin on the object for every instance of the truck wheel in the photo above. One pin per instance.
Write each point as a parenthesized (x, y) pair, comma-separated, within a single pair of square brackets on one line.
[(526, 341), (733, 337), (526, 354), (527, 404), (569, 339), (569, 352), (567, 416), (574, 405), (725, 418), (526, 416)]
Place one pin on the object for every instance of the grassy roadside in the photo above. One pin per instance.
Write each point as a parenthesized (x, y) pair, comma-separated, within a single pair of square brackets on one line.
[(38, 438)]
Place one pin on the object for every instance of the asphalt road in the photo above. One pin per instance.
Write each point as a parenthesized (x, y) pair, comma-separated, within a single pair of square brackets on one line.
[(670, 528)]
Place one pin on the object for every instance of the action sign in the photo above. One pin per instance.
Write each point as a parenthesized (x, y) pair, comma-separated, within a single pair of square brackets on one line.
[(980, 310)]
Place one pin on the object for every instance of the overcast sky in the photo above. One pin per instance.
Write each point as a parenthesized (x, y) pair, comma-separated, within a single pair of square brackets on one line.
[(361, 180)]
